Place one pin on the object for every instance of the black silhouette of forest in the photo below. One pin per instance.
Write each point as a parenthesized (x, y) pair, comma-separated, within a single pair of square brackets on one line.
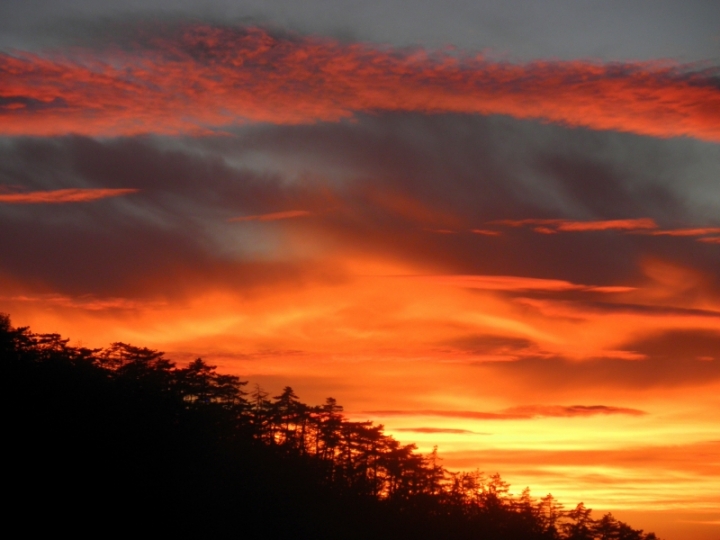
[(122, 440)]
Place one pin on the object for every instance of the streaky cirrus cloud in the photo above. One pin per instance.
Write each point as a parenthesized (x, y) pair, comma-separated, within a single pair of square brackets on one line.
[(688, 232), (517, 413), (682, 471), (433, 430), (195, 79), (85, 302), (685, 456), (485, 232), (572, 410), (56, 196), (273, 216), (518, 283), (555, 225), (645, 226)]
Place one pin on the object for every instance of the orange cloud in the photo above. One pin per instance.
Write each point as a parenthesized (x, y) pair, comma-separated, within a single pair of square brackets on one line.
[(672, 477), (518, 283), (485, 232), (56, 196), (517, 413), (687, 232), (205, 78), (85, 302), (273, 216), (550, 226), (572, 410), (637, 226), (614, 224), (436, 430), (442, 231)]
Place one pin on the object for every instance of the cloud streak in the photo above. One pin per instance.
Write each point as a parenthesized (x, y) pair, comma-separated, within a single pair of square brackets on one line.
[(273, 216), (248, 74), (519, 283), (688, 232), (434, 430), (86, 302), (645, 226), (58, 196), (527, 412), (555, 225)]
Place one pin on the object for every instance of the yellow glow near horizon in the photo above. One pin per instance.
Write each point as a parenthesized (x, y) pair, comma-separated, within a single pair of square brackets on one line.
[(377, 340)]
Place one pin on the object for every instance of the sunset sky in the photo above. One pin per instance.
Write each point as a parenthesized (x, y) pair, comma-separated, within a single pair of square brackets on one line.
[(490, 226)]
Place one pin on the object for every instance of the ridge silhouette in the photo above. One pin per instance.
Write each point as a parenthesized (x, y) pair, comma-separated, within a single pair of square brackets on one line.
[(122, 440)]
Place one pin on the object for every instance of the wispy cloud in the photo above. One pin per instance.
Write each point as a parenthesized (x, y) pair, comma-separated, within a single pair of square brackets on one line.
[(145, 87), (572, 410), (486, 232), (433, 430), (517, 283), (84, 302), (675, 476), (273, 216), (688, 232), (645, 226), (517, 413), (57, 196), (556, 225)]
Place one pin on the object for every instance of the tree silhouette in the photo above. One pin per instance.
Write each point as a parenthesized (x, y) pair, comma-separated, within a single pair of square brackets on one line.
[(140, 440), (580, 526)]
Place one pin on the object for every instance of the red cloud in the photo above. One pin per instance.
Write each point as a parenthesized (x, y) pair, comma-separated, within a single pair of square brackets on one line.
[(206, 77), (274, 216), (616, 224), (688, 232), (638, 226), (549, 226), (62, 196), (486, 232)]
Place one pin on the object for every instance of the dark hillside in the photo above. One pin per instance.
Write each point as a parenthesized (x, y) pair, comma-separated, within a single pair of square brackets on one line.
[(123, 440)]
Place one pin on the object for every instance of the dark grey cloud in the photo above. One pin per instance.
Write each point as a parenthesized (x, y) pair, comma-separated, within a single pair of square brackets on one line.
[(578, 172), (161, 241), (380, 186), (480, 169), (31, 104), (520, 29)]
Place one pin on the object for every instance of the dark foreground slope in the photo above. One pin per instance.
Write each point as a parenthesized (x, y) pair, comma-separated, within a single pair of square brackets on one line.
[(122, 440)]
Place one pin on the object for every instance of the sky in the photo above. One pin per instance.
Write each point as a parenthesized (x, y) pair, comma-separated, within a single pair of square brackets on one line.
[(490, 226)]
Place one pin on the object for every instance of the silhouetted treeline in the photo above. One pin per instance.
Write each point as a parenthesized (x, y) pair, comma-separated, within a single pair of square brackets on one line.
[(123, 440)]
